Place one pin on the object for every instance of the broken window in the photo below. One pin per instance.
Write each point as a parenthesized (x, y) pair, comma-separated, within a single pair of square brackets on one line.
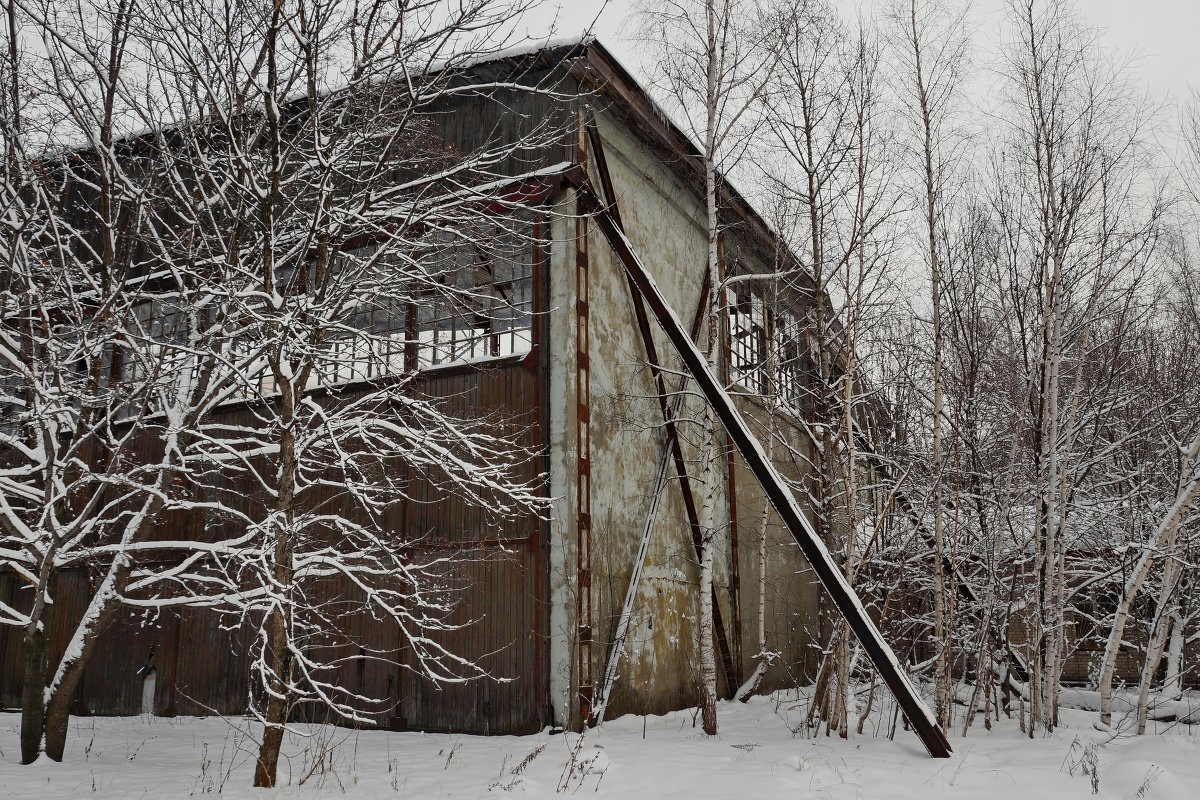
[(748, 341), (454, 295), (479, 303), (369, 342), (787, 343), (154, 353), (766, 347)]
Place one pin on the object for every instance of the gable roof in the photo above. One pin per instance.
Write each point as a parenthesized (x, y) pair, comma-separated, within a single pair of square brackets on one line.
[(601, 75)]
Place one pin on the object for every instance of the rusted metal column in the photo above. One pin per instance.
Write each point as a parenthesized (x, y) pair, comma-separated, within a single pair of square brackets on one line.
[(776, 489), (583, 477)]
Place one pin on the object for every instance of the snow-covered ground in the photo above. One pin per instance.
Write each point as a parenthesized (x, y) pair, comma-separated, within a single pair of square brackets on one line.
[(756, 757)]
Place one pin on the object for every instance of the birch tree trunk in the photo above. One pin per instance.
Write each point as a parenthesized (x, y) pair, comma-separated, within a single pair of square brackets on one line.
[(712, 64), (935, 53), (1164, 533), (1173, 682)]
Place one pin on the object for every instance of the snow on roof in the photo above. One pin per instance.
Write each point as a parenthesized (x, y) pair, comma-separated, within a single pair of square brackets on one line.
[(527, 47)]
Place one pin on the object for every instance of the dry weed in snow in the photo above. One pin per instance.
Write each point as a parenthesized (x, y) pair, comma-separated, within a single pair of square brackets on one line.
[(757, 755)]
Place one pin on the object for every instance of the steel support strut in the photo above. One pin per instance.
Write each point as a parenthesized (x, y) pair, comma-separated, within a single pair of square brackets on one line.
[(670, 415), (773, 486)]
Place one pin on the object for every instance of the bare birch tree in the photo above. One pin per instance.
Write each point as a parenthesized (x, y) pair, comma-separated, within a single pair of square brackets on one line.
[(1077, 230), (933, 58), (712, 66), (831, 161), (298, 243)]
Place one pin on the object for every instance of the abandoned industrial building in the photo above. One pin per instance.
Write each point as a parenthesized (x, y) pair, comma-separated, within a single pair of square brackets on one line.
[(565, 356)]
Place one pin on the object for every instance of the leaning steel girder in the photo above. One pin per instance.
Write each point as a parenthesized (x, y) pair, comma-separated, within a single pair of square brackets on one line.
[(773, 485)]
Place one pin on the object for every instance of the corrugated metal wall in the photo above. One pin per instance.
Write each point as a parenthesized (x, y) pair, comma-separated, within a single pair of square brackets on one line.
[(201, 659)]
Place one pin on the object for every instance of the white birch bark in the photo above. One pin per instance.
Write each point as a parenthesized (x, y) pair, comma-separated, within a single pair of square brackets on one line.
[(1158, 544)]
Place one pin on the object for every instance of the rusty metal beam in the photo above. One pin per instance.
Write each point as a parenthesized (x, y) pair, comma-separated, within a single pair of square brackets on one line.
[(774, 487), (584, 631), (669, 415)]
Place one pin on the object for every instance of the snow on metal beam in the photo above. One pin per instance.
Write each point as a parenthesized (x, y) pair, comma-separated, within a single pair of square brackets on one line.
[(670, 413), (777, 492)]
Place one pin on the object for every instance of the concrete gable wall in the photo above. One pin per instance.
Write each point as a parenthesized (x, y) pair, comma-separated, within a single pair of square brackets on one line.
[(665, 222)]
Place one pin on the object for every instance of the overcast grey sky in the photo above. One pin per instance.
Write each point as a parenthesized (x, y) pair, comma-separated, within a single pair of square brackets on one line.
[(1161, 35)]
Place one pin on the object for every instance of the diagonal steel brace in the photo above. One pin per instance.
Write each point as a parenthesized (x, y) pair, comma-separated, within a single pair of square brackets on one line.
[(774, 487)]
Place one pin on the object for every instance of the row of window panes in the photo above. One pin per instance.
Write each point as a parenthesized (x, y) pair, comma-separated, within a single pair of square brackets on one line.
[(748, 341), (766, 348), (472, 300)]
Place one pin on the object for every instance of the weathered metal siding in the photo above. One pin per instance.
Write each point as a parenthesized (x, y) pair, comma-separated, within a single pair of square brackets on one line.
[(11, 666), (201, 657), (481, 120), (501, 617), (503, 608), (664, 220), (70, 601), (210, 668)]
